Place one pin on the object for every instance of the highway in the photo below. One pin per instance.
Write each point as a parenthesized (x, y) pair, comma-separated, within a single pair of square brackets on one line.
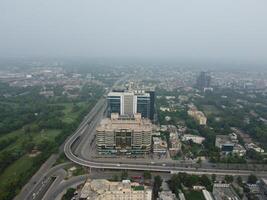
[(86, 132)]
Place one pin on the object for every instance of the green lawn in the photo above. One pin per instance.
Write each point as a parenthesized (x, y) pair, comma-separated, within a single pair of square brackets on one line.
[(194, 195), (210, 109), (14, 170), (48, 134), (69, 115), (25, 163)]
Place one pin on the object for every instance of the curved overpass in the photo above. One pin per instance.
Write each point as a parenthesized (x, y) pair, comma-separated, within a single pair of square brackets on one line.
[(91, 121)]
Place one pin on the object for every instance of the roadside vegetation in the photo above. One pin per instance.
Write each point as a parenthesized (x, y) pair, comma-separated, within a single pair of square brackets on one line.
[(32, 127)]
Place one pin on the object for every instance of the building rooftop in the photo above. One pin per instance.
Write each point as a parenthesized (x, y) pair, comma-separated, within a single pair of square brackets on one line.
[(125, 122), (102, 189)]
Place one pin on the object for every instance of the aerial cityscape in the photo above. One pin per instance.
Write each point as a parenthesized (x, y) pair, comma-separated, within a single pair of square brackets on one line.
[(127, 100)]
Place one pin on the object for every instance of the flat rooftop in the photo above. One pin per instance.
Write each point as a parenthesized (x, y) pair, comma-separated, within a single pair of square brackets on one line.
[(132, 123)]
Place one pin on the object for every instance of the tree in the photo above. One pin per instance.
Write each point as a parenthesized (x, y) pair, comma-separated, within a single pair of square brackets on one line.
[(199, 161), (156, 186), (229, 178), (252, 179), (239, 180), (213, 177), (69, 194), (147, 175), (124, 175), (115, 177), (204, 179)]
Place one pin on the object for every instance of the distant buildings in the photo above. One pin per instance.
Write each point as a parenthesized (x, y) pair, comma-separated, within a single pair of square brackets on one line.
[(194, 138), (100, 189), (131, 102), (124, 134), (203, 81), (198, 116)]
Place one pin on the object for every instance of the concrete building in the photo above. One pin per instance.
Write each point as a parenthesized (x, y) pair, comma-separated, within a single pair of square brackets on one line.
[(207, 195), (159, 145), (224, 191), (101, 189), (203, 81), (229, 144), (263, 186), (167, 195), (195, 138), (132, 102), (124, 134), (198, 116), (254, 147), (224, 143), (175, 144)]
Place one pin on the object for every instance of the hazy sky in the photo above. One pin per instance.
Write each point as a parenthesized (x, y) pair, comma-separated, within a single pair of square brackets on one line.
[(206, 29)]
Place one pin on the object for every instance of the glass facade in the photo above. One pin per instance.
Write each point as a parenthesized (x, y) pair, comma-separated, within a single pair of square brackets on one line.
[(143, 106), (123, 139), (114, 104)]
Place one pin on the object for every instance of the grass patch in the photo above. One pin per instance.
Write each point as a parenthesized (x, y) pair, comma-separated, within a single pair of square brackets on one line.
[(194, 195), (48, 134), (210, 110), (70, 113), (62, 159), (14, 170)]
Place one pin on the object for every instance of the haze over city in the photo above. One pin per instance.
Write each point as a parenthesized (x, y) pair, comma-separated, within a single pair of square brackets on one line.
[(222, 31), (133, 100)]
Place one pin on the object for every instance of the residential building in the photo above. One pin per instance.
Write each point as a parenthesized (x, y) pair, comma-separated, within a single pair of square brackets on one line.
[(102, 189), (254, 147), (159, 145), (124, 134), (198, 116), (175, 144), (195, 138)]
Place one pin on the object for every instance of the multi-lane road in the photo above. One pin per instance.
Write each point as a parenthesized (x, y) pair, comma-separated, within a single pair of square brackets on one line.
[(74, 147)]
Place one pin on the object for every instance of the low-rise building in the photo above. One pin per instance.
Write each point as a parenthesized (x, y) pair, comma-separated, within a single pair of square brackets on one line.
[(195, 138), (254, 147), (224, 191), (207, 195), (159, 145), (229, 144), (175, 144), (100, 189), (166, 195), (239, 150)]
